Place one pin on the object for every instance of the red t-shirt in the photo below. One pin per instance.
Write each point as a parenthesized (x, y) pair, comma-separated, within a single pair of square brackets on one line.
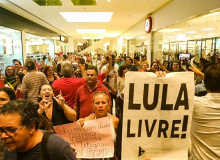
[(68, 86), (84, 98), (1, 84), (101, 77)]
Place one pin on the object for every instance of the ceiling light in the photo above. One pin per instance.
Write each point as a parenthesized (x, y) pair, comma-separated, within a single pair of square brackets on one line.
[(90, 30), (197, 36), (210, 34), (180, 34), (212, 14), (77, 26), (109, 0), (208, 29), (142, 37), (191, 32), (87, 16), (86, 37), (129, 37)]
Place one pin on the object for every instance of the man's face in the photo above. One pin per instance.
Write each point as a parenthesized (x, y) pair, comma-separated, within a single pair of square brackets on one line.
[(17, 65), (91, 77), (128, 62), (142, 58), (144, 67), (19, 135), (136, 61), (4, 98)]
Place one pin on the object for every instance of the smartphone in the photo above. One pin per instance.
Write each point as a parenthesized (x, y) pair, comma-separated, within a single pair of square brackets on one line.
[(107, 78)]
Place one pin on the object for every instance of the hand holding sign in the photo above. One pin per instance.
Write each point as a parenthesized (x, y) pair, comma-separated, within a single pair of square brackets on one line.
[(157, 115), (93, 140)]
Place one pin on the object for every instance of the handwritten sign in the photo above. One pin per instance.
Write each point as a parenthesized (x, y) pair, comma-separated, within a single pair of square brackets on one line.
[(93, 140), (157, 116)]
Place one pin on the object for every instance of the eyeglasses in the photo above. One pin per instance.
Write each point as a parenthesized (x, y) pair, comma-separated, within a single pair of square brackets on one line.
[(11, 132)]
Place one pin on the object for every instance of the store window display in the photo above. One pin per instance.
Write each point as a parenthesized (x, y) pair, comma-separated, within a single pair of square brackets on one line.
[(10, 47)]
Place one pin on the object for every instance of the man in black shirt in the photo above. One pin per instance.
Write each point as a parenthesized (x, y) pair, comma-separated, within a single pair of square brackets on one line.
[(19, 132)]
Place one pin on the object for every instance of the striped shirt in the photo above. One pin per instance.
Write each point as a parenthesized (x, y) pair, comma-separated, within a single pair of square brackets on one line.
[(31, 83)]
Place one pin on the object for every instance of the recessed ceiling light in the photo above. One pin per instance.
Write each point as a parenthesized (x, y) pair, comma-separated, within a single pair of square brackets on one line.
[(142, 37), (109, 0), (208, 29), (191, 32), (87, 16), (77, 26), (210, 34), (90, 30), (129, 37)]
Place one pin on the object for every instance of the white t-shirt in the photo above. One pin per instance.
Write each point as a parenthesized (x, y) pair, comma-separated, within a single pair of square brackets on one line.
[(205, 131), (112, 75)]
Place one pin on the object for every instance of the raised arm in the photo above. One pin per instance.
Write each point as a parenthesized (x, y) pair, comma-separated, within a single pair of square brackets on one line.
[(162, 67), (81, 67), (69, 112), (109, 65), (197, 72)]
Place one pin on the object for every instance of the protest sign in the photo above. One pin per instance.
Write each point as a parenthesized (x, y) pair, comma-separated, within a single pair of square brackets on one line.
[(93, 140), (157, 115)]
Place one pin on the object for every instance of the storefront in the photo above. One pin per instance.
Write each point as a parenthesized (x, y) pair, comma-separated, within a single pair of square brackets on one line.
[(10, 47), (198, 36)]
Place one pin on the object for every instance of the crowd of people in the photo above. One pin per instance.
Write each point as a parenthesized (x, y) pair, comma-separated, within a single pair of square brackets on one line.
[(75, 87)]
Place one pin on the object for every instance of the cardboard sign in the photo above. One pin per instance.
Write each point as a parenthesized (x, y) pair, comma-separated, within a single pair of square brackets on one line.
[(93, 140), (157, 115)]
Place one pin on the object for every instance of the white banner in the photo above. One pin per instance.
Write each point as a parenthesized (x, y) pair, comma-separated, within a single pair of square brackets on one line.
[(157, 115)]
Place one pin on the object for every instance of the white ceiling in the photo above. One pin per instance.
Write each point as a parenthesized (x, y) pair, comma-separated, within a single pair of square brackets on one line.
[(126, 13)]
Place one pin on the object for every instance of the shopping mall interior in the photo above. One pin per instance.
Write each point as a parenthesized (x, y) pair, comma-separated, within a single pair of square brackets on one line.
[(37, 28)]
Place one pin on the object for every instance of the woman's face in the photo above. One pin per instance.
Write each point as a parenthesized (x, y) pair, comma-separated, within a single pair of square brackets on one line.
[(50, 71), (2, 79), (46, 93), (9, 71), (101, 105), (165, 64), (154, 67), (17, 79), (4, 98), (175, 67), (128, 62)]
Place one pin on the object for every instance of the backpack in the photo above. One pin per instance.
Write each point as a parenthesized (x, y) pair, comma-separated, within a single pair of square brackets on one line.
[(44, 152)]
